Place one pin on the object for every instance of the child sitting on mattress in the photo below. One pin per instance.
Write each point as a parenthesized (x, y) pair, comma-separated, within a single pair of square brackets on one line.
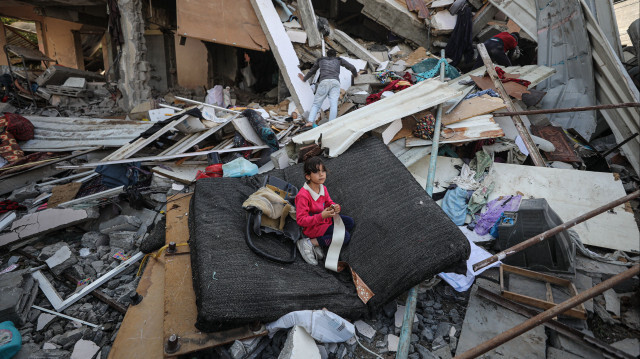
[(315, 212)]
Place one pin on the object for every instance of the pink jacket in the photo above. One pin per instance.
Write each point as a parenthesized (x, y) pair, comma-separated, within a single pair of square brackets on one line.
[(309, 207)]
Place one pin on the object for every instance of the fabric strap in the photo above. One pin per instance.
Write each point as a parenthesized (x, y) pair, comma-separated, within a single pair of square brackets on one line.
[(336, 244)]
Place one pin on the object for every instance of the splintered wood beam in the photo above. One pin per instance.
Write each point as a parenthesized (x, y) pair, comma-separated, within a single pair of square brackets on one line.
[(522, 129)]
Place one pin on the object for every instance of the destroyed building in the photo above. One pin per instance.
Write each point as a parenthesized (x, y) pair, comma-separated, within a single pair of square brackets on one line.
[(153, 155)]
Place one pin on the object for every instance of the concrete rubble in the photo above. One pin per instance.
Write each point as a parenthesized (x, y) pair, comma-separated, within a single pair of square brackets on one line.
[(128, 138)]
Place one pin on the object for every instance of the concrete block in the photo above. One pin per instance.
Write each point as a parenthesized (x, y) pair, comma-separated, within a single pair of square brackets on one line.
[(366, 79), (23, 193), (399, 316), (58, 257), (44, 320), (77, 82), (554, 353), (280, 158), (443, 352), (359, 97), (488, 32), (120, 223), (122, 239), (358, 88), (612, 302), (630, 346), (365, 329), (43, 222), (398, 66), (84, 349), (94, 240), (582, 283), (6, 107), (299, 345), (237, 350), (392, 342)]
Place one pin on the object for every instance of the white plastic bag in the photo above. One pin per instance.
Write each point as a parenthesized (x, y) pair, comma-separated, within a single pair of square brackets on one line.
[(214, 96), (323, 325)]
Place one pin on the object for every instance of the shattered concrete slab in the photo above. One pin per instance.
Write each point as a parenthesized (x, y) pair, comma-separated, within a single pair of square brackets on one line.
[(395, 16), (484, 320), (299, 345), (44, 222)]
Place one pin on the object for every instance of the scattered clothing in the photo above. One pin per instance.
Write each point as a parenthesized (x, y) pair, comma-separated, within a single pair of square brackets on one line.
[(262, 128), (454, 205), (479, 198), (494, 210), (497, 48), (125, 174), (6, 206), (466, 179), (503, 78), (429, 68), (395, 85), (490, 92), (462, 283), (425, 127), (460, 43)]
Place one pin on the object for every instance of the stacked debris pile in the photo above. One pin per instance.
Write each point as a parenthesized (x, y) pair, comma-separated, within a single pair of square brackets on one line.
[(115, 223)]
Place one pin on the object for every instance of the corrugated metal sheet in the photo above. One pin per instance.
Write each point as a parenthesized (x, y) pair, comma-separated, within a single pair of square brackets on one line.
[(605, 15), (613, 85), (563, 44), (58, 134), (522, 12)]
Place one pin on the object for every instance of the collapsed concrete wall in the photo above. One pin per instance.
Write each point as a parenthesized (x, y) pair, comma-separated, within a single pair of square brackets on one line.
[(134, 69)]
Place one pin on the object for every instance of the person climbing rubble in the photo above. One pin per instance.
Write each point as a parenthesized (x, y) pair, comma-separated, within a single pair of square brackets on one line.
[(498, 47), (328, 84)]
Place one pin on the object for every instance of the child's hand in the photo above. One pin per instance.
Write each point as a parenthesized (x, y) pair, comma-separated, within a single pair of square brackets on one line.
[(328, 212), (336, 207)]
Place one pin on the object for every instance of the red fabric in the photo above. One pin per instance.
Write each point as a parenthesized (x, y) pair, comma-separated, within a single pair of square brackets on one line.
[(6, 206), (503, 78), (392, 86), (210, 172), (20, 127), (508, 41), (309, 213), (9, 148)]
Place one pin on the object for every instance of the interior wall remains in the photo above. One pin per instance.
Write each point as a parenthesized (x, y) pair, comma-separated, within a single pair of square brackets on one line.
[(191, 61), (55, 37)]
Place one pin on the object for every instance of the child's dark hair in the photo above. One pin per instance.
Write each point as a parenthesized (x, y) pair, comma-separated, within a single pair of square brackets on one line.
[(312, 165)]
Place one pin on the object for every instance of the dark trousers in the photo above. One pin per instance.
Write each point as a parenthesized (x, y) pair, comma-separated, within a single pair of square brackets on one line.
[(325, 239), (495, 48)]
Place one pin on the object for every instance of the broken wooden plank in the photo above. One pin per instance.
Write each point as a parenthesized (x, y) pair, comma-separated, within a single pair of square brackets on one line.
[(536, 157), (284, 53), (576, 312), (180, 312), (354, 47), (473, 129), (472, 107), (140, 334), (309, 22), (92, 199), (44, 222), (341, 133)]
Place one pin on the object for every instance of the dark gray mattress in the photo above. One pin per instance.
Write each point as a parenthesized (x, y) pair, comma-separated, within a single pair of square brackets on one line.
[(401, 238)]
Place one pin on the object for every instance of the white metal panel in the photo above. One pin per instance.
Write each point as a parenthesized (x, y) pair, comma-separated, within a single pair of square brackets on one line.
[(522, 12)]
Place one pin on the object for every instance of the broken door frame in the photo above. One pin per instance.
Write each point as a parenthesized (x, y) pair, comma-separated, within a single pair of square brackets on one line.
[(579, 313)]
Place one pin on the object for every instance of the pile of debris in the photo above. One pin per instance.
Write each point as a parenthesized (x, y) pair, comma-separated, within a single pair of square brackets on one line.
[(95, 201)]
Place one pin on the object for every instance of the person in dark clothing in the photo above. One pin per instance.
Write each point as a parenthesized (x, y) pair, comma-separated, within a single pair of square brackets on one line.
[(328, 84), (498, 46)]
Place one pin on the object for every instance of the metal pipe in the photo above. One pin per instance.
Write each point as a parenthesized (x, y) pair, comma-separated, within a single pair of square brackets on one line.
[(517, 121), (548, 314), (412, 297), (68, 317), (162, 158), (620, 144), (571, 109), (205, 104), (551, 232)]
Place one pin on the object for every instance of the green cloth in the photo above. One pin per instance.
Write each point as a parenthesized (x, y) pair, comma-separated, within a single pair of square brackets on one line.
[(479, 198)]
